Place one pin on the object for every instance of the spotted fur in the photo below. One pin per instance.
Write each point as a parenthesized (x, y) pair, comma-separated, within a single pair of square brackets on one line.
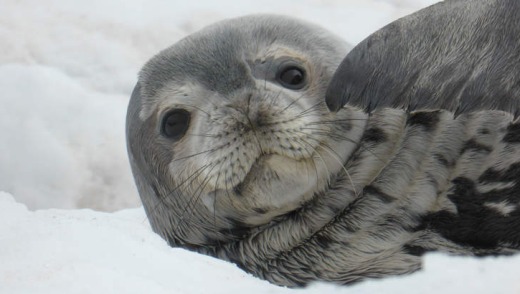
[(407, 203), (311, 195)]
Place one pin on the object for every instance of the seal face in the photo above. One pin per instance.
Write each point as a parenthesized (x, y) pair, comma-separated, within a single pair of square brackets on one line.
[(228, 128), (236, 155)]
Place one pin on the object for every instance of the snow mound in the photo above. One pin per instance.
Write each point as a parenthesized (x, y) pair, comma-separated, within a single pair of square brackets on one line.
[(85, 251)]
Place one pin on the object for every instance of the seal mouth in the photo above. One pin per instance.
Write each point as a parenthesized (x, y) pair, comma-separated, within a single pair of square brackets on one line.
[(266, 169), (255, 168), (293, 155)]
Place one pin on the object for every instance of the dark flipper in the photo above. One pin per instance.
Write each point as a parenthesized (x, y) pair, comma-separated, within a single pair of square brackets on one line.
[(458, 55)]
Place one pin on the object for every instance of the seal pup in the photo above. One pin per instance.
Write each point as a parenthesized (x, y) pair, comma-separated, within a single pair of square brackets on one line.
[(236, 155)]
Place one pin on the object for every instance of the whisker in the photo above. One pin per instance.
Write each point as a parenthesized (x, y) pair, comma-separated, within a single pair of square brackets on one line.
[(273, 99), (336, 156), (330, 134), (215, 199), (335, 121), (161, 199), (193, 106), (194, 200), (309, 110), (197, 154), (292, 103), (202, 135), (227, 188), (311, 155)]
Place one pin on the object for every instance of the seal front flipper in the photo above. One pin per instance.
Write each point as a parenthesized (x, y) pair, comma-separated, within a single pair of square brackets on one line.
[(460, 56)]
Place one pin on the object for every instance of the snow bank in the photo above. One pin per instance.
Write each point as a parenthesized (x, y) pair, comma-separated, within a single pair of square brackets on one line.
[(84, 251)]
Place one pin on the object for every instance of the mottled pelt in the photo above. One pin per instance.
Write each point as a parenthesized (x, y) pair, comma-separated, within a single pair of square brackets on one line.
[(241, 151)]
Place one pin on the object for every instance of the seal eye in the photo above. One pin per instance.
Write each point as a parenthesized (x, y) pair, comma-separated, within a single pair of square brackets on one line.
[(175, 124), (291, 77)]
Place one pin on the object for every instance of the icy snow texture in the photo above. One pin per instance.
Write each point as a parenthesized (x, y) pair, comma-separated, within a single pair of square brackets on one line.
[(84, 251), (66, 72)]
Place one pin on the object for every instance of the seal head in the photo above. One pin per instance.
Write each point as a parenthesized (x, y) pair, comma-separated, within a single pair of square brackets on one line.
[(228, 129)]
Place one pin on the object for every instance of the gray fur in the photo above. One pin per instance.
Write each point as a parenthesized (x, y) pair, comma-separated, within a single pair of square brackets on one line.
[(453, 55), (266, 177)]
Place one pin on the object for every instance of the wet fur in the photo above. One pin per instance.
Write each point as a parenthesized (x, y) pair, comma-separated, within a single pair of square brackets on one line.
[(386, 186)]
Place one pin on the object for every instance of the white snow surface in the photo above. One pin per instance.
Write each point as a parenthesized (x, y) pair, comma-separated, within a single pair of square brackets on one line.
[(85, 251), (67, 68)]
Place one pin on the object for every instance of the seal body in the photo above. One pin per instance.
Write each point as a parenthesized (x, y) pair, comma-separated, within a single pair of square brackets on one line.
[(457, 55), (236, 155)]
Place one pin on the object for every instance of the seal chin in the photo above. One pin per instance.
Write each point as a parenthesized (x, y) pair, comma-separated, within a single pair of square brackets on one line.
[(275, 183), (278, 183)]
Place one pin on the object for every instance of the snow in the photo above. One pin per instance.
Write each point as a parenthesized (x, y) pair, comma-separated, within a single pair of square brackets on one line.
[(86, 251), (66, 72)]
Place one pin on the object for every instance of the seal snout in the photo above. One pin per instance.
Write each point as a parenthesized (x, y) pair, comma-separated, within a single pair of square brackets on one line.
[(251, 111)]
